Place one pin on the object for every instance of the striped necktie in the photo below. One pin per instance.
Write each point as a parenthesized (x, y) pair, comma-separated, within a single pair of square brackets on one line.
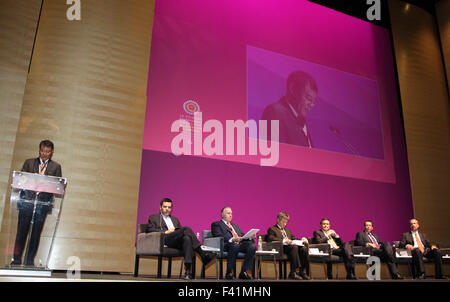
[(374, 241), (419, 243)]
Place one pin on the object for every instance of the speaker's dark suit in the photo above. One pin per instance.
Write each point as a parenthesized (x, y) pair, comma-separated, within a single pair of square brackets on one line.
[(407, 238), (26, 213), (385, 252), (344, 250), (290, 128), (183, 238), (296, 254), (220, 229)]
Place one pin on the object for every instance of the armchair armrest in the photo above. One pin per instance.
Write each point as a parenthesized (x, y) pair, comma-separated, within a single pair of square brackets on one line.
[(361, 250), (324, 248), (214, 242), (150, 243)]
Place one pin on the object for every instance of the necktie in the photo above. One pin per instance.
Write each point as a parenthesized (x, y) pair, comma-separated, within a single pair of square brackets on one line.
[(231, 229), (419, 243), (333, 243), (374, 241), (42, 168), (284, 234)]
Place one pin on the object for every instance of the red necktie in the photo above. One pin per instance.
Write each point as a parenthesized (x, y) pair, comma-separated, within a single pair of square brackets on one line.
[(419, 243), (231, 229), (374, 241)]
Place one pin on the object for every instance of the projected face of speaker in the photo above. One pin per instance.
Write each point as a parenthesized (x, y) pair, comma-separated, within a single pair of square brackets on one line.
[(307, 100)]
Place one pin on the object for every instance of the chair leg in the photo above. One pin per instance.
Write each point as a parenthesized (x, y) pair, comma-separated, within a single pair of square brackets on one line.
[(254, 269), (159, 267), (221, 268), (280, 268), (275, 267), (169, 268), (181, 268), (203, 273), (136, 266), (194, 261)]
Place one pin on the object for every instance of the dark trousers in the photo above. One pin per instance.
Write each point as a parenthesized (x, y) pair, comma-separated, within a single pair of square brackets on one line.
[(386, 254), (346, 253), (430, 254), (24, 225), (297, 256), (183, 239), (245, 246)]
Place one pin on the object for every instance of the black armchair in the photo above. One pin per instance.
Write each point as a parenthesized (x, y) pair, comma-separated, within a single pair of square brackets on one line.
[(152, 244)]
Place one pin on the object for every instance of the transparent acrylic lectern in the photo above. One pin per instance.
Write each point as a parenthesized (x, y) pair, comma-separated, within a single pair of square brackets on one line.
[(34, 212)]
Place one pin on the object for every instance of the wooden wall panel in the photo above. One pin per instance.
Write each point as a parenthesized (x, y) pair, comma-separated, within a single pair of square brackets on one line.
[(443, 18), (86, 91), (18, 21), (426, 115)]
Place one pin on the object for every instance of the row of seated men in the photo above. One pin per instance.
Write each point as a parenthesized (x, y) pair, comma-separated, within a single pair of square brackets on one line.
[(183, 238)]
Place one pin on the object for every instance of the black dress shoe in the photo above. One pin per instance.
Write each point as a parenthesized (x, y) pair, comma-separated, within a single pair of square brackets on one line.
[(188, 275), (421, 276), (230, 277), (294, 276), (351, 277), (441, 277), (304, 276), (397, 276), (245, 276)]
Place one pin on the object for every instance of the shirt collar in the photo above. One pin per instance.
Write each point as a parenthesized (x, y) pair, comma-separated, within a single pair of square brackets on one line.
[(41, 161), (293, 110)]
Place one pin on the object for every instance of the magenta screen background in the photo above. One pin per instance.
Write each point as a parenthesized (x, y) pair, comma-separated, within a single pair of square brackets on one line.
[(199, 52)]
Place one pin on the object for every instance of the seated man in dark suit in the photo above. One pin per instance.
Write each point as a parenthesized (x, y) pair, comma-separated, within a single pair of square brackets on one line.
[(296, 254), (234, 243), (338, 247), (381, 249), (176, 236), (420, 247)]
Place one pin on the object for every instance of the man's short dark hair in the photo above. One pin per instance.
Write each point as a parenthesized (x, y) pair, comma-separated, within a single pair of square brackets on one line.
[(165, 200), (300, 78), (46, 143), (323, 219), (368, 221), (223, 209)]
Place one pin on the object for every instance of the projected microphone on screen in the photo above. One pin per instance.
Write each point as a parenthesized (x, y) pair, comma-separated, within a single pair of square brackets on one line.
[(347, 145), (291, 110)]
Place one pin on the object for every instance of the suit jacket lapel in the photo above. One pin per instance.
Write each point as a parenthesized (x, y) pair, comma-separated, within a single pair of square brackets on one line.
[(36, 165)]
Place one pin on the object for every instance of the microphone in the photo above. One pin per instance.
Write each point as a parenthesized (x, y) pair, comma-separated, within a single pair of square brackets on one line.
[(349, 147)]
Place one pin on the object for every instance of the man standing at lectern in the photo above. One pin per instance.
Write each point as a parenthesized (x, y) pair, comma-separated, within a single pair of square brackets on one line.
[(43, 165)]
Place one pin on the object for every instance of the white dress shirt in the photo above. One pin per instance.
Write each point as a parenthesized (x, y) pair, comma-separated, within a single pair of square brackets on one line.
[(168, 221)]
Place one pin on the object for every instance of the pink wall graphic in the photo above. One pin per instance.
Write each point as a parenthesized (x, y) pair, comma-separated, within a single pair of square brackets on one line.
[(230, 59)]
